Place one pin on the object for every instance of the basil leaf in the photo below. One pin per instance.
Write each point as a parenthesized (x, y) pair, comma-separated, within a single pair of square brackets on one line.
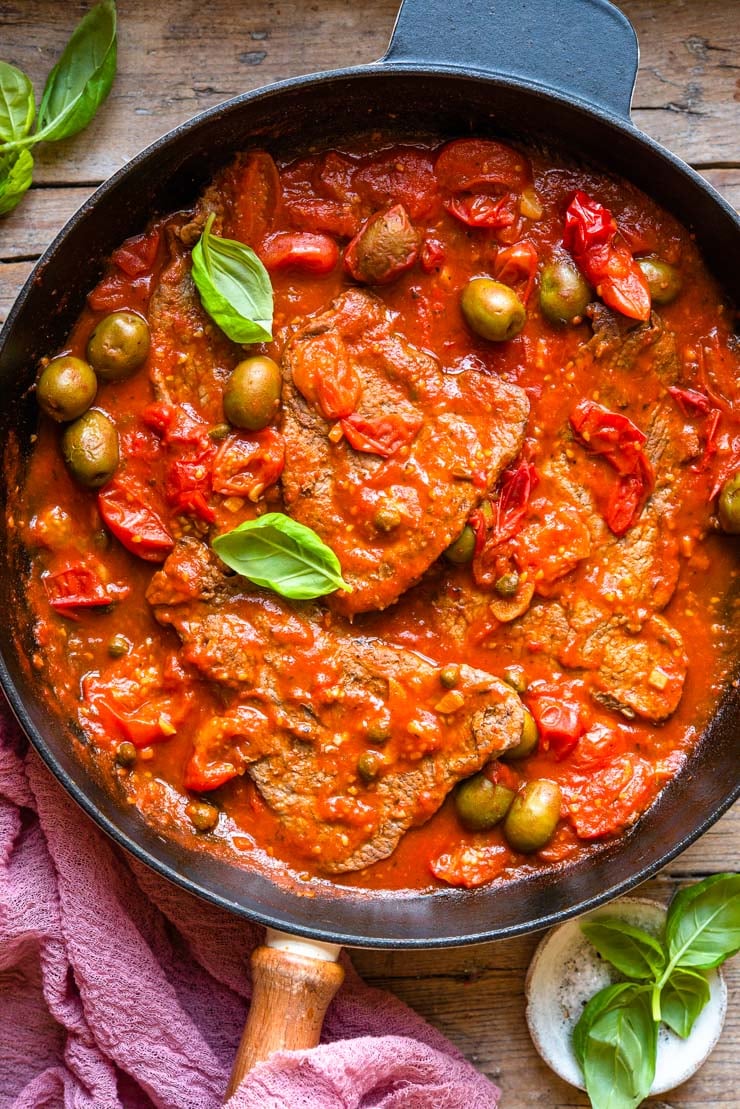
[(17, 105), (234, 287), (703, 923), (16, 171), (278, 553), (80, 81), (682, 999), (618, 1046), (631, 950), (598, 1004)]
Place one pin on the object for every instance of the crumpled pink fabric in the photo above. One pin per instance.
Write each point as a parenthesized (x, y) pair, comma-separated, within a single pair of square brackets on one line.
[(119, 990)]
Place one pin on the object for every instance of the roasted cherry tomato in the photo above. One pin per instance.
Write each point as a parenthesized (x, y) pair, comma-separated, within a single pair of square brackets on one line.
[(605, 261), (247, 464), (299, 250), (560, 725), (134, 523), (382, 435)]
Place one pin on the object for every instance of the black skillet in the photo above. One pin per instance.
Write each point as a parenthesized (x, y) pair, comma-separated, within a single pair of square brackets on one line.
[(558, 72)]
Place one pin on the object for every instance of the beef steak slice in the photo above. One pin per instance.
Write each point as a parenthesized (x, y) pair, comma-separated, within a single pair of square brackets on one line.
[(302, 685), (389, 518)]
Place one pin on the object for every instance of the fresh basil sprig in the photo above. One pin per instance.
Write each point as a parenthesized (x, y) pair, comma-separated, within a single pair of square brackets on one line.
[(278, 553), (76, 87), (234, 287), (616, 1037)]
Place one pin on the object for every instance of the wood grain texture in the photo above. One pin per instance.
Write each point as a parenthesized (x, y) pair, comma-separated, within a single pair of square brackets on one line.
[(178, 57), (290, 995)]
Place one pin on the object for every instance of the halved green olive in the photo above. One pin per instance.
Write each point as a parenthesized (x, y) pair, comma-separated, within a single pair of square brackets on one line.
[(529, 739), (90, 449), (481, 803), (533, 817), (252, 393), (729, 505), (564, 292), (66, 388), (663, 279), (463, 548), (492, 309), (118, 345)]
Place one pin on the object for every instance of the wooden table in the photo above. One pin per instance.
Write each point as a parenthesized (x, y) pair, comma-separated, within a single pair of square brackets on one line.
[(177, 57)]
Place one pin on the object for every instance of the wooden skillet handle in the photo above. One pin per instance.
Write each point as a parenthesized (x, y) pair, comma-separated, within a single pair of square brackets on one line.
[(293, 982)]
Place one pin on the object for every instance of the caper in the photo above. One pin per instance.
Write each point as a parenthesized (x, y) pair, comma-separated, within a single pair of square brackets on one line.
[(387, 518), (515, 677), (528, 741), (378, 731), (481, 803), (252, 393), (533, 817), (369, 765), (118, 345), (219, 432), (507, 584), (564, 292), (449, 675), (118, 646), (492, 309), (66, 388), (664, 280), (90, 449), (203, 817), (729, 505), (463, 548), (125, 754)]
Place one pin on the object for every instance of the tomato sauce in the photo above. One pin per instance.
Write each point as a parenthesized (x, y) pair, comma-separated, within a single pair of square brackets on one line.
[(465, 214)]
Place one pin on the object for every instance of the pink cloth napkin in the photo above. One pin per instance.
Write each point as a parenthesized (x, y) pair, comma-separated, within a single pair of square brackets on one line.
[(117, 989)]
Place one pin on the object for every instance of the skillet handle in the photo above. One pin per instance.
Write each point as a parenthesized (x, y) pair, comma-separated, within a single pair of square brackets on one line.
[(293, 981), (583, 49)]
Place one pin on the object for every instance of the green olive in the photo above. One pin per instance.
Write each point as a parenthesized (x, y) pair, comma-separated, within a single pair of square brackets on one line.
[(528, 741), (564, 292), (369, 765), (203, 817), (118, 345), (66, 388), (252, 393), (663, 279), (492, 309), (729, 505), (463, 548), (533, 817), (125, 754), (90, 449), (481, 803), (507, 584)]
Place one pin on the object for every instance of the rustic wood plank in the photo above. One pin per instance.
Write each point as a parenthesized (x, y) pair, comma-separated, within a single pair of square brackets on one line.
[(176, 60), (689, 82)]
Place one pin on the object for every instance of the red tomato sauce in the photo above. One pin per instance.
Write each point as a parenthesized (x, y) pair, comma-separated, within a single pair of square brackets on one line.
[(475, 209)]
